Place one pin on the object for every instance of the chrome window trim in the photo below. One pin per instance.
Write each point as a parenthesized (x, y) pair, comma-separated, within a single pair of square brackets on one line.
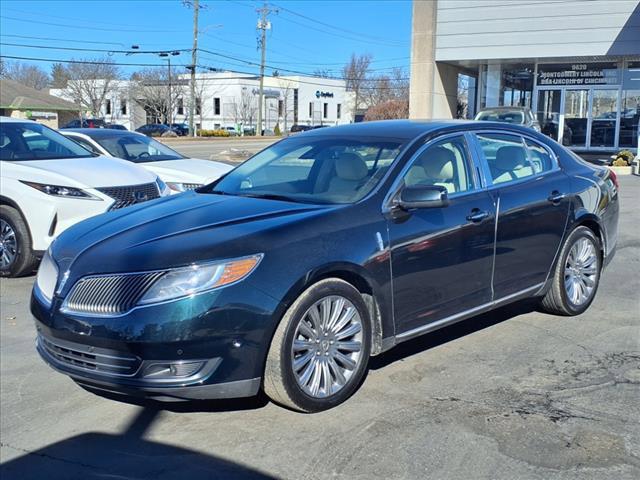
[(398, 182), (523, 135)]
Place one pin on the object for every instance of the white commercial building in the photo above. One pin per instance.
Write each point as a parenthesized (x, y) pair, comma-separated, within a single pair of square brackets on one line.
[(230, 99), (575, 63)]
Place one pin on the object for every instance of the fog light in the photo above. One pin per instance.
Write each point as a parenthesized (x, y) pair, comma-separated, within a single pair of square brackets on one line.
[(172, 370)]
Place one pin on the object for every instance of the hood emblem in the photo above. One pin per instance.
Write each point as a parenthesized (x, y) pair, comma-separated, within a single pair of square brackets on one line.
[(140, 196)]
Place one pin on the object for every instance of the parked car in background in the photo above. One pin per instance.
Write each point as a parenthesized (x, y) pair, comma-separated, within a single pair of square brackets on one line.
[(514, 115), (182, 129), (180, 173), (86, 123), (320, 251), (48, 183), (115, 126), (299, 128), (153, 129), (232, 131)]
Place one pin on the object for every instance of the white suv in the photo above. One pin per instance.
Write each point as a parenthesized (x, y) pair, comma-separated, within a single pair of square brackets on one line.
[(48, 183)]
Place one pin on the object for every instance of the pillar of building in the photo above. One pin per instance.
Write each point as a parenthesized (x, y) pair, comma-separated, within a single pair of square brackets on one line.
[(433, 90)]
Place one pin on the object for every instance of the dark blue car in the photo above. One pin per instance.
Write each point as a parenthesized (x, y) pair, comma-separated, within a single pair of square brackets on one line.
[(322, 250)]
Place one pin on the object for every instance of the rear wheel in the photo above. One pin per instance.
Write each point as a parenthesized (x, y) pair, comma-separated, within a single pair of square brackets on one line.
[(16, 256), (319, 353), (576, 276)]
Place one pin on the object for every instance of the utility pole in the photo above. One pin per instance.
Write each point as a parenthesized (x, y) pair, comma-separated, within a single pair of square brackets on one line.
[(192, 106), (263, 25)]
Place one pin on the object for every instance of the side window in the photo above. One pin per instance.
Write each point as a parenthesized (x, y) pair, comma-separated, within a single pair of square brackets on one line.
[(539, 157), (506, 156), (445, 163)]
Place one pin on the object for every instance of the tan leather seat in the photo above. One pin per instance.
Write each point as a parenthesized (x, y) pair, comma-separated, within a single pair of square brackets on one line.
[(510, 164), (435, 167), (351, 171)]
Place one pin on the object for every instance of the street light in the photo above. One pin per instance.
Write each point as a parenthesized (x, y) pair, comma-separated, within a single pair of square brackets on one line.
[(167, 56)]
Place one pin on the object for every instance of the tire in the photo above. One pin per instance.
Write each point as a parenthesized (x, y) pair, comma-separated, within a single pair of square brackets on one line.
[(560, 300), (287, 385), (24, 260)]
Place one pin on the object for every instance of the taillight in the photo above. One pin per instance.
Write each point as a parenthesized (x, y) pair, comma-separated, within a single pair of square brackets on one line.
[(614, 178)]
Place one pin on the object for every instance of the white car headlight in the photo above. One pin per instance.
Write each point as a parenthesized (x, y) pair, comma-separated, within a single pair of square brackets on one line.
[(61, 191), (47, 277), (187, 281), (183, 187)]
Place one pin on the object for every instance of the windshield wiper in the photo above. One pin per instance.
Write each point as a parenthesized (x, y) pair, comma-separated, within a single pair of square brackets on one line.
[(270, 196)]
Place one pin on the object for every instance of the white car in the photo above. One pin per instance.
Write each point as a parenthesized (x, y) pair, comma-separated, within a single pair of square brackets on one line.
[(48, 183), (177, 171)]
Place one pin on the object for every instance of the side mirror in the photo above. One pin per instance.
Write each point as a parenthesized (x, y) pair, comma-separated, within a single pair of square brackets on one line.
[(423, 196)]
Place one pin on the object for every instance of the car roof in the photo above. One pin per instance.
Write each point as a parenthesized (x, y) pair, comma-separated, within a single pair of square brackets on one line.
[(100, 132), (504, 107), (15, 120), (406, 129)]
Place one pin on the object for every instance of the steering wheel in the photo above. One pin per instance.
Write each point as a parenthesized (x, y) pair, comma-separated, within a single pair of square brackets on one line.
[(144, 154)]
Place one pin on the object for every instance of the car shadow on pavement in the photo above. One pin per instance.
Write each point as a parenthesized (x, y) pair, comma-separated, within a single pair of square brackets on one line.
[(126, 455), (452, 332)]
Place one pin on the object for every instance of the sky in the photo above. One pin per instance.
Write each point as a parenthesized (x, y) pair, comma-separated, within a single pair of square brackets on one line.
[(305, 35)]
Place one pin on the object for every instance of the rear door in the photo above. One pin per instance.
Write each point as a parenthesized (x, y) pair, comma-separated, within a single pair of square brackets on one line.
[(531, 194), (442, 257)]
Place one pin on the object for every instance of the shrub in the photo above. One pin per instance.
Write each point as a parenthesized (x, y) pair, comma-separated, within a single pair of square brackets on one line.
[(276, 131), (623, 158), (213, 133)]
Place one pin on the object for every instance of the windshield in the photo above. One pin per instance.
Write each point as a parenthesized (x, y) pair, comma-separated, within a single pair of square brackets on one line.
[(136, 148), (33, 141), (312, 170), (505, 116)]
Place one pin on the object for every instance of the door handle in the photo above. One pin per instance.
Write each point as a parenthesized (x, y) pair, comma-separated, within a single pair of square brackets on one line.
[(556, 197), (477, 215)]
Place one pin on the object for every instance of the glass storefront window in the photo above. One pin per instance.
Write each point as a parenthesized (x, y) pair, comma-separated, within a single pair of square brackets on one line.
[(630, 106), (508, 84)]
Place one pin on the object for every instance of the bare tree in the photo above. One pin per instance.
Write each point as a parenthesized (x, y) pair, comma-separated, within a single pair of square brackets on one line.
[(286, 90), (153, 92), (322, 73), (26, 74), (355, 74), (388, 110), (90, 81), (245, 108), (59, 76)]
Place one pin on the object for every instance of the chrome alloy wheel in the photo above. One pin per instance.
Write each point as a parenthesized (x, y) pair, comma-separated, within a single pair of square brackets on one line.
[(8, 244), (581, 271), (327, 346)]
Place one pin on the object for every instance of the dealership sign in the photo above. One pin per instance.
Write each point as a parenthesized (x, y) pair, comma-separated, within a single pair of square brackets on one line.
[(578, 74), (320, 94)]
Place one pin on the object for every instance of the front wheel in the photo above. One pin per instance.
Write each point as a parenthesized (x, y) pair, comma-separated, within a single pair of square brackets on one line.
[(576, 276), (319, 353), (16, 256)]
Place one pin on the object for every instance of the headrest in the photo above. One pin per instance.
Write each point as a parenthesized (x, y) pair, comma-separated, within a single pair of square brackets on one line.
[(438, 163), (510, 158), (350, 166)]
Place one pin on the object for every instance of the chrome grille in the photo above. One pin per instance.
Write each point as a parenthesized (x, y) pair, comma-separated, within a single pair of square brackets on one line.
[(130, 194), (84, 357), (109, 294)]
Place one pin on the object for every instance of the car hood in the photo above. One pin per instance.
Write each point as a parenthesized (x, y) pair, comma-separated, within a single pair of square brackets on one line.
[(88, 172), (174, 231), (188, 170)]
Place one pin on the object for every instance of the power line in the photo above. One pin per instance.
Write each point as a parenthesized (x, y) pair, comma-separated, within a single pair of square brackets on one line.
[(85, 27), (28, 37), (87, 62), (78, 49)]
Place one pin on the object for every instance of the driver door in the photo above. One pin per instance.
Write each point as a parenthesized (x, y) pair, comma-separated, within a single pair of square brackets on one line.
[(442, 257)]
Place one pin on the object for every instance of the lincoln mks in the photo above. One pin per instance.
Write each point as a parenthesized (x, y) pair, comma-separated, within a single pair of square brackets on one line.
[(289, 272)]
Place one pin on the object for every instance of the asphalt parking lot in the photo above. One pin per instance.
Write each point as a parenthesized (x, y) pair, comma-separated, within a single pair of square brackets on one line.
[(513, 394), (228, 150)]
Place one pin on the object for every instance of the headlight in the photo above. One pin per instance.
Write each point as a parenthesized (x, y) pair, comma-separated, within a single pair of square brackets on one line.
[(183, 282), (183, 187), (61, 191), (47, 277)]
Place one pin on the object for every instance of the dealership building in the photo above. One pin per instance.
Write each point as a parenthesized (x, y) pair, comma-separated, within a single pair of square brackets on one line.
[(575, 63)]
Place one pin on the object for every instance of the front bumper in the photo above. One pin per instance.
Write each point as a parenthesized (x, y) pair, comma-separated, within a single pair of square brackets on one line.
[(114, 372)]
